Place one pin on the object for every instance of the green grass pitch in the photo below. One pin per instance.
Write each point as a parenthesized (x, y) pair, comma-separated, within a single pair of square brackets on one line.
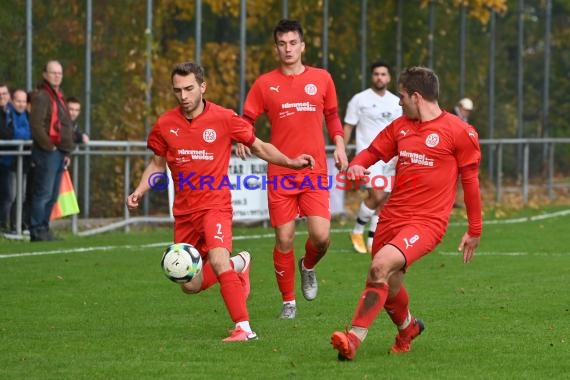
[(100, 308)]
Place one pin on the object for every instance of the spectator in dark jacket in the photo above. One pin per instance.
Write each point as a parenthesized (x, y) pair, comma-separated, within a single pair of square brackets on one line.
[(4, 96), (52, 132), (74, 108)]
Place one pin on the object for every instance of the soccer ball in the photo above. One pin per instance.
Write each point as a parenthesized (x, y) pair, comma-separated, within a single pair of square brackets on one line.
[(181, 262)]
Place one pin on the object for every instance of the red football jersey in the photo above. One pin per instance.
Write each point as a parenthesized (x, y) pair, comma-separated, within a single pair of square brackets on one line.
[(430, 155), (294, 105), (198, 154)]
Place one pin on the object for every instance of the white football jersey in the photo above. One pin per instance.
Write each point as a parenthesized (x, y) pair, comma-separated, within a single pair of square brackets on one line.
[(371, 113)]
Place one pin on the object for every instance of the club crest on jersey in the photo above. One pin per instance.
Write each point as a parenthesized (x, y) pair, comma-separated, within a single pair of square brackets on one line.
[(209, 135), (432, 140), (310, 89)]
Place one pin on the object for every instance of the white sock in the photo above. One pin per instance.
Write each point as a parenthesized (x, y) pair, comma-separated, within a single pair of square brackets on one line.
[(360, 332), (239, 263), (244, 326), (293, 303), (373, 223), (364, 215), (308, 270)]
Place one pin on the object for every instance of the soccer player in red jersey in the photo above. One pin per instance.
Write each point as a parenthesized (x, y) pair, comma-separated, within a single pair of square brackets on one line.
[(434, 148), (295, 98), (195, 141)]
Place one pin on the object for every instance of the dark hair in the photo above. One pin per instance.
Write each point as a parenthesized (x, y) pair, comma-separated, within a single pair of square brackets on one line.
[(421, 80), (285, 26), (72, 99), (187, 68), (380, 63)]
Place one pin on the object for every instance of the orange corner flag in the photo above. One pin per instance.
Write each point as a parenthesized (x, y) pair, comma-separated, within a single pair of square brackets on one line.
[(66, 201)]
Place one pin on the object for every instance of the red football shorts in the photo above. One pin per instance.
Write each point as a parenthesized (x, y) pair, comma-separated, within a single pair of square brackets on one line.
[(205, 230), (300, 195), (413, 240)]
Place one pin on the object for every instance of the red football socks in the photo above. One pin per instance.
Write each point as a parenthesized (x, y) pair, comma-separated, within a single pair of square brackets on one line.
[(233, 295), (371, 302), (397, 307), (284, 263)]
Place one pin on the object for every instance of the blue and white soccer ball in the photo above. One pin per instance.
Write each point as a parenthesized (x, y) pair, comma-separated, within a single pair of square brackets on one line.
[(181, 262)]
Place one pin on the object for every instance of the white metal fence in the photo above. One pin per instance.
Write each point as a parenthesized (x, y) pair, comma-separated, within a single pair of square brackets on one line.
[(84, 159)]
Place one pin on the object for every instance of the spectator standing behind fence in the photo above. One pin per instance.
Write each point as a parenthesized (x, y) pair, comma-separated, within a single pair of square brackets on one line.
[(4, 96), (17, 128), (463, 109), (74, 108), (295, 97), (370, 111), (52, 133), (5, 180), (434, 148)]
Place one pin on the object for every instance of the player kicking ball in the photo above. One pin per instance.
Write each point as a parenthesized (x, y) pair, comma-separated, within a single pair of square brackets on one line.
[(434, 148), (195, 141)]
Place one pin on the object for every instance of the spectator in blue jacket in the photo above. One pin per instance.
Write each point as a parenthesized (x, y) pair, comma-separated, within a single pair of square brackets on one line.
[(16, 127), (4, 135)]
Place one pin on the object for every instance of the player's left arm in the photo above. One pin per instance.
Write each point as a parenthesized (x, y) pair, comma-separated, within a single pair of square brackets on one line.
[(271, 154), (472, 199), (468, 155), (336, 134), (334, 126)]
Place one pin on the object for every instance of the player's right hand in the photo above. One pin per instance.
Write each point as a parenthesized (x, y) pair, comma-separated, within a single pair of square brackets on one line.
[(356, 171), (303, 161), (242, 151), (133, 200)]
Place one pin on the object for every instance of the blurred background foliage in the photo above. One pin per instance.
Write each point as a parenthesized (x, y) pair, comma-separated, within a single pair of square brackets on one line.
[(119, 41)]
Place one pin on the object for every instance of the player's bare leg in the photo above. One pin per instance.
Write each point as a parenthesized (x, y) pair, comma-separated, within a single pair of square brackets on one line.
[(207, 276)]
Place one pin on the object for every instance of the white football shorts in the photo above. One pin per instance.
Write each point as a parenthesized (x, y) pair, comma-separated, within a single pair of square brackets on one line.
[(381, 175)]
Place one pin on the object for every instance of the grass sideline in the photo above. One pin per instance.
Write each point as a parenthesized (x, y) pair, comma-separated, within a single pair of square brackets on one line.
[(109, 313)]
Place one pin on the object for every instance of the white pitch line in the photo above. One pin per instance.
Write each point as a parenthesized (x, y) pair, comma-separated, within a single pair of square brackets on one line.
[(81, 250), (483, 253), (477, 253), (115, 247), (271, 235), (534, 218)]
